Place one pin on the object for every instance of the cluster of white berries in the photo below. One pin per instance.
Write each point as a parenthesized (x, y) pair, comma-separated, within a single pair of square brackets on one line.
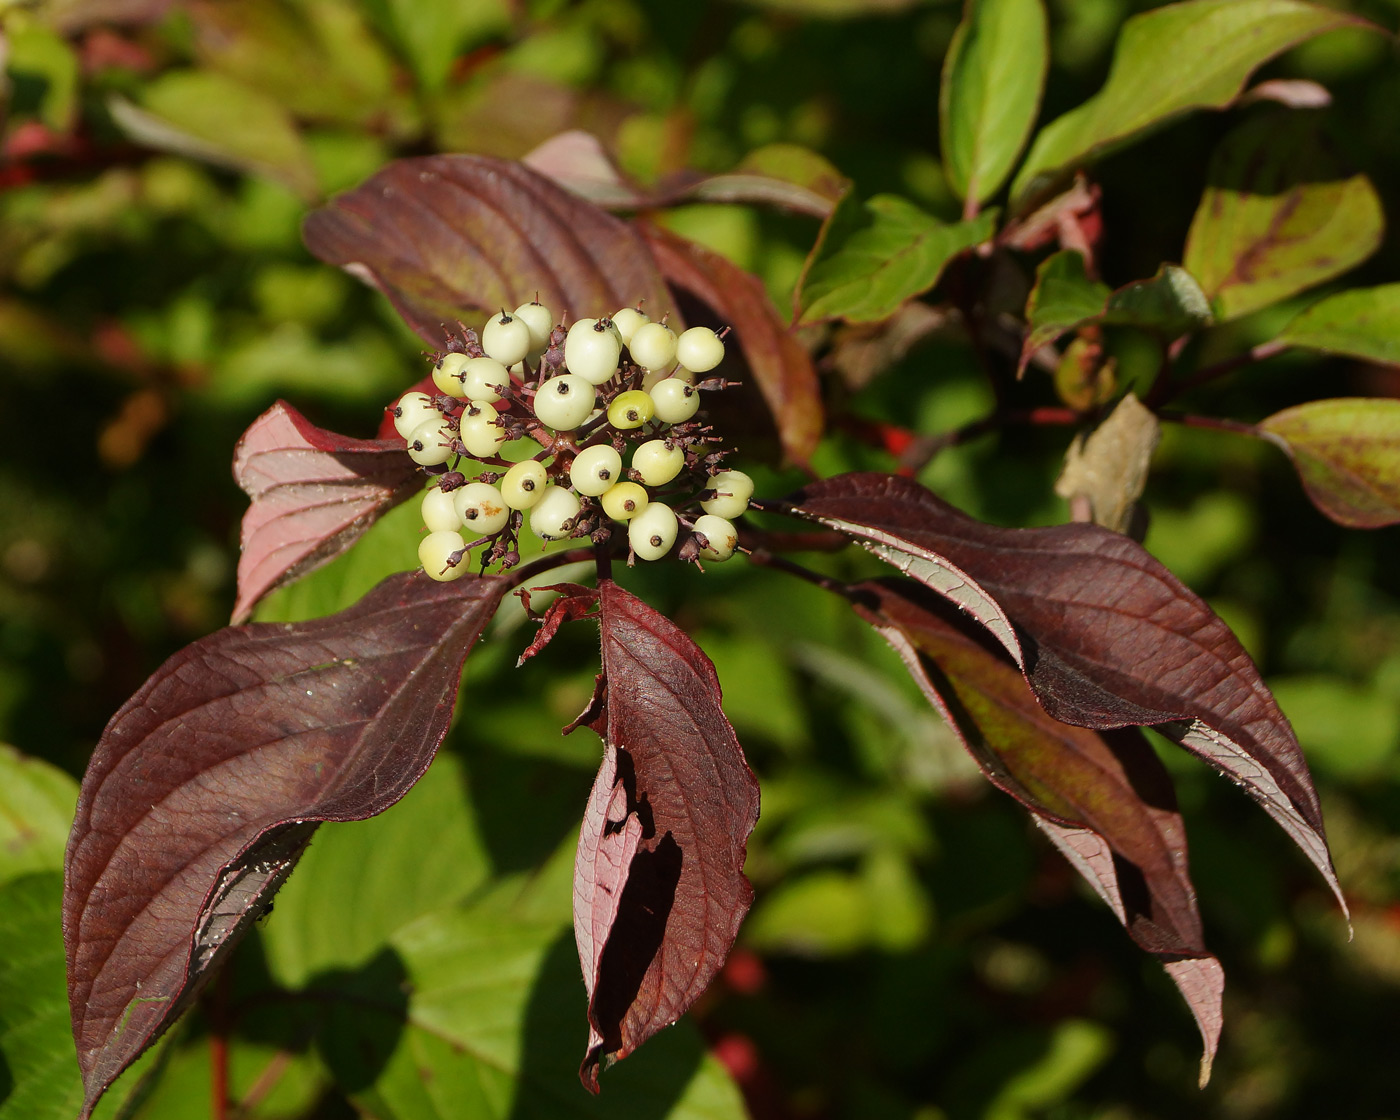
[(601, 394)]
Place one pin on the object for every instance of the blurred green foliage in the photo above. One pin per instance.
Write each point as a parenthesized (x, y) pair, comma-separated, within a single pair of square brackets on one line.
[(916, 952)]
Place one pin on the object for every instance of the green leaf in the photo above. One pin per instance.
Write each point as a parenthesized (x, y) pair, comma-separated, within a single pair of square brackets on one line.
[(493, 1026), (1196, 55), (36, 810), (992, 82), (1278, 217), (1347, 452), (36, 1044), (37, 52), (433, 33), (897, 253), (208, 116), (1063, 298), (1171, 303), (1362, 323), (360, 882)]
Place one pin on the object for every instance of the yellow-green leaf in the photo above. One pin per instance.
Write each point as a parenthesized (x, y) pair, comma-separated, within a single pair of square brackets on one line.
[(1347, 452), (1278, 217), (1362, 323)]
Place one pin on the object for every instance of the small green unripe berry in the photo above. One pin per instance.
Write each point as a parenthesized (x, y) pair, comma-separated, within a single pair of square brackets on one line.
[(413, 409), (481, 435), (657, 462), (653, 346), (564, 402), (539, 319), (430, 443), (506, 338), (733, 489), (595, 469), (699, 349), (624, 501), (447, 375), (550, 517), (652, 532), (631, 409), (434, 552), (627, 320), (481, 507), (440, 512), (723, 538), (480, 378), (675, 401), (592, 350), (523, 485)]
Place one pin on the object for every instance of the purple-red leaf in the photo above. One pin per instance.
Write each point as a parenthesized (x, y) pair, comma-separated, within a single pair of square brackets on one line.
[(208, 783), (1103, 797), (1106, 636), (313, 493), (451, 237), (779, 363), (659, 888)]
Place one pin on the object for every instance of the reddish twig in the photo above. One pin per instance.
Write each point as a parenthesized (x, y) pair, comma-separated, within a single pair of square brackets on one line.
[(1213, 372)]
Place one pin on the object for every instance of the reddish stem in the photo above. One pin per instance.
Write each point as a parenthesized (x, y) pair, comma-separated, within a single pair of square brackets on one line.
[(1214, 423), (921, 451), (1213, 372)]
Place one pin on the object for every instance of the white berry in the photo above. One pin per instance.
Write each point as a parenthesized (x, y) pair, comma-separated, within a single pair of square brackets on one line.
[(657, 463), (699, 349), (413, 409), (430, 443), (723, 538), (550, 517), (447, 374), (506, 338), (439, 512), (631, 410), (627, 320), (481, 378), (733, 489), (436, 550), (539, 319), (523, 485), (653, 346), (674, 400), (564, 402), (653, 531), (592, 350), (481, 508), (595, 469), (481, 434), (624, 501)]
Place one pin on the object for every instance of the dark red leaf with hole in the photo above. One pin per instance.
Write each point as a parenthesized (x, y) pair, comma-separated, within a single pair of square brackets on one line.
[(1103, 797), (208, 783), (779, 363), (313, 493), (1106, 636), (455, 237), (659, 888)]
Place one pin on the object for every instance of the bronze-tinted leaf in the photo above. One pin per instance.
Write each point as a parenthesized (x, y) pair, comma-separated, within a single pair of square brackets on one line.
[(1106, 636), (1103, 797), (313, 493), (778, 361), (659, 888), (208, 783), (453, 237)]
